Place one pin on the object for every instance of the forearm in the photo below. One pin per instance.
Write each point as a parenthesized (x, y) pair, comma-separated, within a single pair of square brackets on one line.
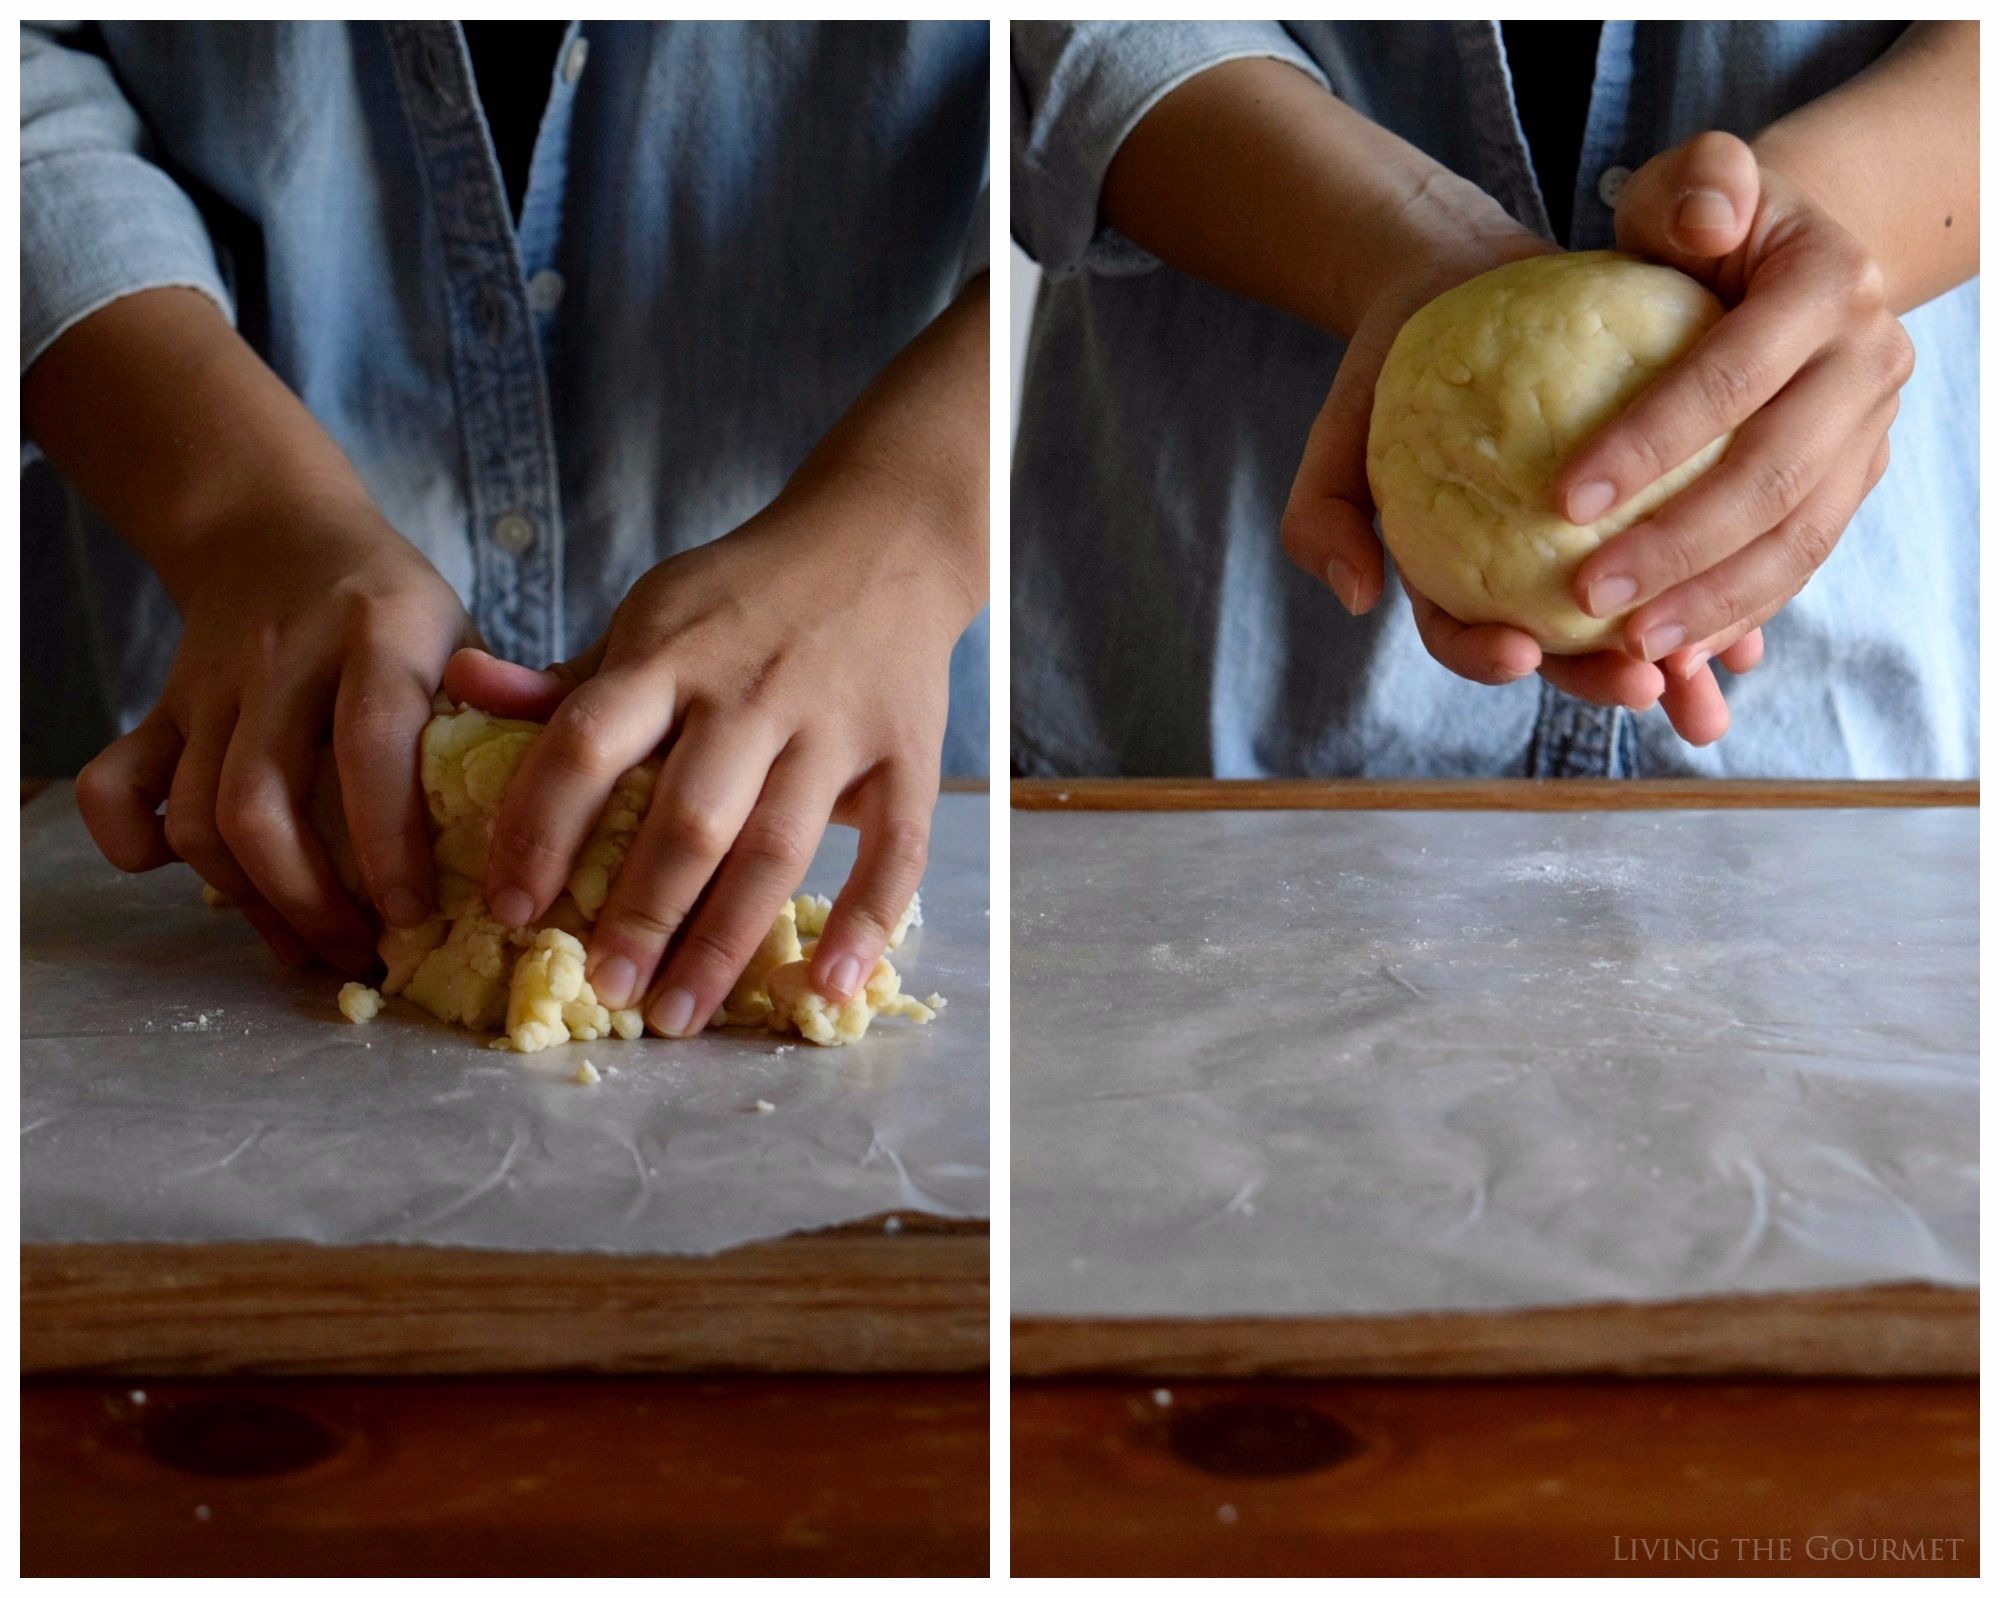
[(170, 425), (1253, 177), (1893, 155), (921, 427)]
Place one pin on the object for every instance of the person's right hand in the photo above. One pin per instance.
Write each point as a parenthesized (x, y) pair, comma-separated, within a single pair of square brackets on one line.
[(1328, 526), (301, 620)]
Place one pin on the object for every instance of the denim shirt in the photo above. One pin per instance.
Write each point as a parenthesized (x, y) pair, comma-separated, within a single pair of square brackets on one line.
[(728, 231), (1158, 627)]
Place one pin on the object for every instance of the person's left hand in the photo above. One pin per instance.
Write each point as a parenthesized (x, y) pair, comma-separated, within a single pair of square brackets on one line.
[(796, 671), (1806, 365)]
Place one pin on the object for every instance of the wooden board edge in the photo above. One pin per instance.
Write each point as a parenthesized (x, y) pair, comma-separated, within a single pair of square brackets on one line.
[(1524, 793), (1893, 1330), (839, 1302)]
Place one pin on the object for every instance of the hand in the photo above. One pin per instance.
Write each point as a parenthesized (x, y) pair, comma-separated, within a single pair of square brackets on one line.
[(1328, 526), (797, 670), (1806, 365), (297, 617)]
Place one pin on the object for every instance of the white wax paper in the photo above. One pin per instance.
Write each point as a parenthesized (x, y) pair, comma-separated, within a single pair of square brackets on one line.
[(1344, 1063), (178, 1084)]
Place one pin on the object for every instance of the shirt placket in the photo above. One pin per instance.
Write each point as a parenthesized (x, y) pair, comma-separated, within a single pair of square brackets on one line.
[(498, 374), (1570, 738)]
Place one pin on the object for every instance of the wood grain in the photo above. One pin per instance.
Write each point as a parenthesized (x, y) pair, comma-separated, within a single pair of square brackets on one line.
[(1539, 793), (1495, 1478), (854, 1299), (519, 1477), (1898, 1329)]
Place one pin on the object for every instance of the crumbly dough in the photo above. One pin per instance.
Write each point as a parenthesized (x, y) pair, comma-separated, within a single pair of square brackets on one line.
[(528, 984), (1487, 392), (359, 1002)]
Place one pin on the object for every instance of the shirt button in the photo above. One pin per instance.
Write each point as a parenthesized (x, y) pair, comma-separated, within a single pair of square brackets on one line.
[(574, 58), (545, 292), (513, 532), (1612, 183)]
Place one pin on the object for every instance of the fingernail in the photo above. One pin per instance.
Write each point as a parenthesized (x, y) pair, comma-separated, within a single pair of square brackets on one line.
[(672, 1014), (1588, 501), (1699, 659), (1609, 595), (614, 982), (1704, 210), (511, 907), (844, 976), (1662, 640), (1345, 582), (403, 908)]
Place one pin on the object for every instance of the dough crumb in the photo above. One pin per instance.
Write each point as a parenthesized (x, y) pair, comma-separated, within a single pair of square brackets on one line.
[(765, 1107), (587, 1075), (358, 1002)]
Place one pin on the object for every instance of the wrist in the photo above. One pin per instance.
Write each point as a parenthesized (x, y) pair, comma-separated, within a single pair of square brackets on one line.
[(256, 519), (930, 508)]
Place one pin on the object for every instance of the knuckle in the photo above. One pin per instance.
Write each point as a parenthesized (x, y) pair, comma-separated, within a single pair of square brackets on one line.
[(1709, 607), (1727, 389), (580, 741), (697, 824), (642, 923), (782, 842), (716, 949), (190, 835), (1898, 356), (903, 849), (1778, 481), (98, 788), (247, 814), (372, 721), (1812, 539), (522, 842), (1880, 464), (1863, 283), (1671, 557)]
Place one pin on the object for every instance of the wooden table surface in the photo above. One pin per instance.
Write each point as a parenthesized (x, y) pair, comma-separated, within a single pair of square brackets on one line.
[(517, 1476), (1135, 1469), (1488, 1478)]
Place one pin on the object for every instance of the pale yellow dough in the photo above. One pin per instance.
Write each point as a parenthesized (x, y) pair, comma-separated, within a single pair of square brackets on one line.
[(528, 984), (359, 1002), (1487, 392)]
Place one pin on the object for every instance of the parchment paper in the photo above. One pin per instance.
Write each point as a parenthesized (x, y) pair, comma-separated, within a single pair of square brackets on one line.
[(1372, 1063), (178, 1084)]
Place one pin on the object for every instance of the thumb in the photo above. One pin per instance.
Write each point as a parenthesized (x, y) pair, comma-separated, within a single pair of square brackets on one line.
[(501, 688), (1691, 205), (1328, 527)]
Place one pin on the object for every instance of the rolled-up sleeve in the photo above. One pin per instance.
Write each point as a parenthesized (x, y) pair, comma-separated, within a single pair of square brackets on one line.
[(1079, 89), (100, 219)]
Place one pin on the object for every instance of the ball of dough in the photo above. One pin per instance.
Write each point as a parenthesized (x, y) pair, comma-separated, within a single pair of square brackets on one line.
[(1487, 392)]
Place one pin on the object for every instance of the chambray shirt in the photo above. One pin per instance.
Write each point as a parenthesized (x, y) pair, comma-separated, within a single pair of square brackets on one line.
[(728, 231), (1157, 625)]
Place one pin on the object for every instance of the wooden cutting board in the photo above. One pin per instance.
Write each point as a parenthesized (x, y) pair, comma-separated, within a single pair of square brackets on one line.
[(860, 1298)]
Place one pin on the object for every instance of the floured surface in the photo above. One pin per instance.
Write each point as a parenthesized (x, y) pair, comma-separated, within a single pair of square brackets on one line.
[(1353, 1063), (177, 1084)]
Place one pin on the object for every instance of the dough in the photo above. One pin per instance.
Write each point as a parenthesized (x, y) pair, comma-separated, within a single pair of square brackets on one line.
[(528, 984), (1487, 392), (359, 1002)]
